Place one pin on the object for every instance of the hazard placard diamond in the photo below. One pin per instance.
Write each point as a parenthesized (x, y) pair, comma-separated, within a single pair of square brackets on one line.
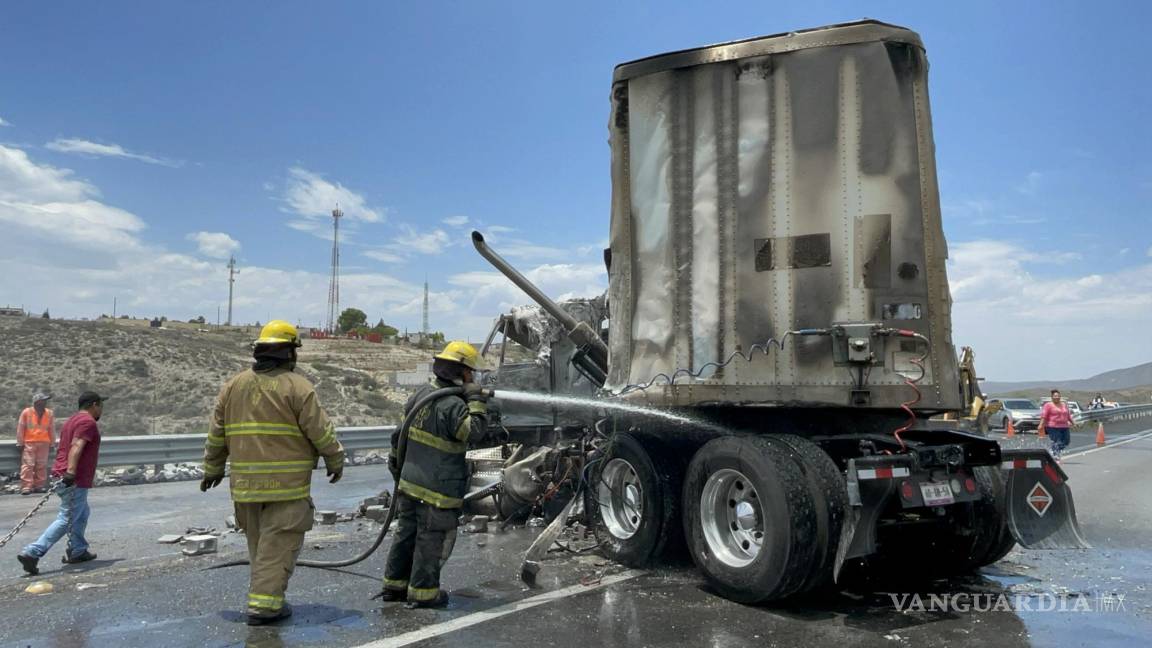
[(1039, 499)]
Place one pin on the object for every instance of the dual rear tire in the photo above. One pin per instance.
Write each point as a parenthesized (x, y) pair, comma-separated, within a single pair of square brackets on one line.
[(762, 516)]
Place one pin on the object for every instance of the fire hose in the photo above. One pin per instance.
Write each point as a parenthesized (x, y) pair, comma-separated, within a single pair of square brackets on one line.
[(401, 449)]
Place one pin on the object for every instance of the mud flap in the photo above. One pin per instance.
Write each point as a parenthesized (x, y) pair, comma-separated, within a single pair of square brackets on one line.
[(858, 532), (1041, 513)]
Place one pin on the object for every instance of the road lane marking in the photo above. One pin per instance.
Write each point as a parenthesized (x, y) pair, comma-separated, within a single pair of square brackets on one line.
[(484, 616), (1121, 441)]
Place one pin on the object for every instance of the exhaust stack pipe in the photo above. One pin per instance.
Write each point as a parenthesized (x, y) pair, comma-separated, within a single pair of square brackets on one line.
[(593, 353)]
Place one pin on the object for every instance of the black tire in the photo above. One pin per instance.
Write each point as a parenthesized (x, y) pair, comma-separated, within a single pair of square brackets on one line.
[(654, 530), (829, 496), (995, 538), (775, 510)]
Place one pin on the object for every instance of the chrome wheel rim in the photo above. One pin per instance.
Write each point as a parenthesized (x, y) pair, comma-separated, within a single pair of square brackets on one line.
[(732, 518), (621, 499)]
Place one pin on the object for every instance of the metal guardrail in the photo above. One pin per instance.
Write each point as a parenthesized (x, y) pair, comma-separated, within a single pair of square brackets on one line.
[(1126, 413), (186, 448), (189, 448)]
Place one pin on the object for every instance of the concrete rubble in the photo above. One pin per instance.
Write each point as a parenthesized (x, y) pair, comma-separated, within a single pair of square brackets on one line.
[(326, 517), (171, 538), (376, 513), (197, 545)]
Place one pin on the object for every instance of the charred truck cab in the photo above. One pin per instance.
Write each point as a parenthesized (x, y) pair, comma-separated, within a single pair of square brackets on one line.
[(777, 281)]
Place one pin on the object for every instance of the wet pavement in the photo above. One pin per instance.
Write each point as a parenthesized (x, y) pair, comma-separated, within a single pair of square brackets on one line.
[(143, 594)]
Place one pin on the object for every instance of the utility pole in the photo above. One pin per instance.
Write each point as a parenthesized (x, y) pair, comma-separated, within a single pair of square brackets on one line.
[(334, 286), (424, 338), (232, 272), (113, 308)]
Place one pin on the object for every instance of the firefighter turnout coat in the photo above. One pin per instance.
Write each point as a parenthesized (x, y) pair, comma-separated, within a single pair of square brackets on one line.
[(435, 471), (270, 427)]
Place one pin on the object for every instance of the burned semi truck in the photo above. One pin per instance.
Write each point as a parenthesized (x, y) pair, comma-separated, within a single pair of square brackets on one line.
[(777, 288)]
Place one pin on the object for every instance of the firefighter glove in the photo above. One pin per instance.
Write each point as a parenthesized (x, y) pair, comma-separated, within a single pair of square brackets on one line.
[(335, 475), (210, 482), (474, 392)]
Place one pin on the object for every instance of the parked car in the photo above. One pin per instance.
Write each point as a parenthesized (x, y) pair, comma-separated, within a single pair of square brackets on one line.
[(1025, 414), (1073, 406)]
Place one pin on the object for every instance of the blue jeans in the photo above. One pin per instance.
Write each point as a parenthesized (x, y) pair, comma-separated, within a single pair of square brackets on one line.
[(74, 505), (1060, 439)]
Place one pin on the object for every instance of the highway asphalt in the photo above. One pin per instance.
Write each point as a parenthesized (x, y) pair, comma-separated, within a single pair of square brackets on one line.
[(140, 593)]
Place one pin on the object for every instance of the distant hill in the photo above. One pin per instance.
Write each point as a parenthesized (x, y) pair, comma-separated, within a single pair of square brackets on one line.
[(1116, 380), (164, 381)]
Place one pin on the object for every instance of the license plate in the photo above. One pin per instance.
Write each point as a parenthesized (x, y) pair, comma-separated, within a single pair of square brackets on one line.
[(936, 494)]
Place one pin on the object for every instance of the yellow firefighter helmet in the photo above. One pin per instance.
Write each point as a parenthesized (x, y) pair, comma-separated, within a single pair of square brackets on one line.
[(462, 352), (279, 332)]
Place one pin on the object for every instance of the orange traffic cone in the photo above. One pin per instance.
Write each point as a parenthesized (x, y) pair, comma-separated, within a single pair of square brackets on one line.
[(1009, 430), (1100, 434)]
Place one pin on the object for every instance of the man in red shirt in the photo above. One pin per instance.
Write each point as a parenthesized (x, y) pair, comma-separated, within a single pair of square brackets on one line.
[(75, 467)]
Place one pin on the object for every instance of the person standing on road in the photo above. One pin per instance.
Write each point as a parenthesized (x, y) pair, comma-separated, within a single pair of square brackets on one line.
[(433, 479), (1098, 402), (35, 435), (1056, 419), (75, 466), (268, 424)]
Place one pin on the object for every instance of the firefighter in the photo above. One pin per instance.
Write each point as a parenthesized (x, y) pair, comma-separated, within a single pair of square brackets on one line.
[(433, 479), (269, 425)]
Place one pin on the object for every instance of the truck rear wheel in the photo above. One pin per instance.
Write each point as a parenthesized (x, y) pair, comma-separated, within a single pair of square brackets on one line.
[(829, 496), (749, 519), (633, 500)]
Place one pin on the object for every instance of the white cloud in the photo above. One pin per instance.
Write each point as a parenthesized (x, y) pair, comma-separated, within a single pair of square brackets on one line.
[(383, 255), (433, 242), (1006, 297), (4, 123), (217, 245), (65, 250), (311, 196), (455, 221), (85, 147)]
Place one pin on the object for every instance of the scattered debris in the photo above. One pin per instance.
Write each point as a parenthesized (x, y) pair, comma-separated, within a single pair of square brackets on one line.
[(85, 586), (478, 524), (326, 517), (384, 498), (171, 538), (345, 517), (376, 512), (39, 587), (230, 522), (536, 522), (197, 545), (317, 546), (191, 531)]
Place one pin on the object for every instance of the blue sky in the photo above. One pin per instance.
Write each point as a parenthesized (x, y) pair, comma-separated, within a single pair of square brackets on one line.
[(144, 143)]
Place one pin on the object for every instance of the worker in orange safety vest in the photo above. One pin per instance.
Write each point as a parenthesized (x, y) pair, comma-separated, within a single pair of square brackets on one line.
[(35, 436)]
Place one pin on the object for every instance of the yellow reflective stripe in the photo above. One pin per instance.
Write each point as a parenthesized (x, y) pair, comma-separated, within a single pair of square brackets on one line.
[(477, 407), (258, 424), (272, 466), (431, 440), (392, 583), (264, 432), (328, 437), (430, 496), (252, 427), (213, 468), (215, 441), (464, 429), (269, 495), (423, 593), (265, 601)]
